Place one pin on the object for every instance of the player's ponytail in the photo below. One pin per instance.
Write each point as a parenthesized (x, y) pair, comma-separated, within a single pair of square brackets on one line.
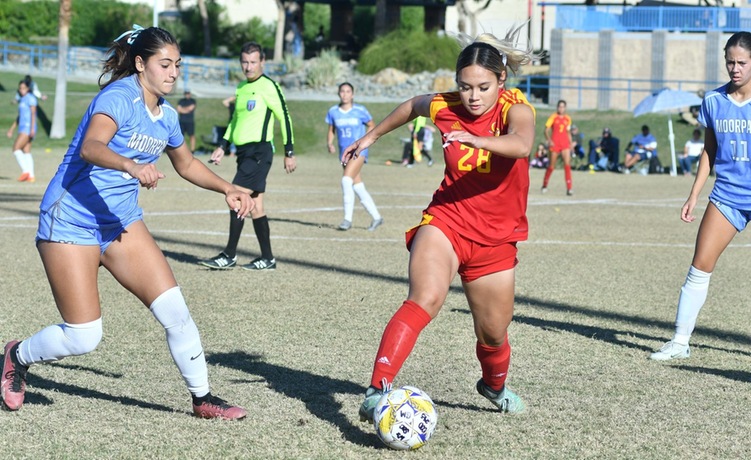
[(494, 54), (120, 59)]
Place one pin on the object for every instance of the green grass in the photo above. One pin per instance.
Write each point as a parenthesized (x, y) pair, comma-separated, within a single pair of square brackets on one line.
[(596, 290)]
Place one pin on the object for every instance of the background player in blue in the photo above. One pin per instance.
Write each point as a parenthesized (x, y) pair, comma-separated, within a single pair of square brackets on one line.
[(27, 127), (348, 122), (726, 114), (90, 217)]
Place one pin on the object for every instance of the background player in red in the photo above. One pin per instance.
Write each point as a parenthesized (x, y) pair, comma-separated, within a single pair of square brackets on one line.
[(558, 135), (488, 132)]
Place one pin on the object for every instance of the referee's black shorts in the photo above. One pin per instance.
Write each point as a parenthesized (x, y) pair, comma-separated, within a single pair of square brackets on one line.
[(253, 165)]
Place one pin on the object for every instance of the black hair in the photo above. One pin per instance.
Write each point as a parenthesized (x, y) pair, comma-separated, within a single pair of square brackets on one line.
[(742, 39), (346, 83), (121, 56), (253, 47)]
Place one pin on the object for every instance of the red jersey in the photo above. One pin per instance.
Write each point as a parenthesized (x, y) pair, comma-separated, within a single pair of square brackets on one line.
[(483, 196), (559, 125)]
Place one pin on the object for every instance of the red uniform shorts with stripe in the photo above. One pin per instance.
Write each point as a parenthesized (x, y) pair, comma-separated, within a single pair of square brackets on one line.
[(475, 260)]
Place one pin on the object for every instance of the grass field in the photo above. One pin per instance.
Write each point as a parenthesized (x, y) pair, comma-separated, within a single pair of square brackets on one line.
[(597, 286)]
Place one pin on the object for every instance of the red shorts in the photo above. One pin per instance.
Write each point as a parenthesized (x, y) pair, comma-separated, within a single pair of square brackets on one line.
[(475, 260)]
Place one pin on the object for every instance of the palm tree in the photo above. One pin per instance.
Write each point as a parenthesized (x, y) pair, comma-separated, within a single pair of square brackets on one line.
[(206, 30), (61, 88), (281, 14)]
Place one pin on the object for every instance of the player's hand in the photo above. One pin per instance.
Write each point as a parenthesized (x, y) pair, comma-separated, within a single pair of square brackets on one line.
[(147, 174), (9, 134), (463, 137), (353, 151), (290, 164), (239, 200), (331, 148), (687, 210), (217, 155)]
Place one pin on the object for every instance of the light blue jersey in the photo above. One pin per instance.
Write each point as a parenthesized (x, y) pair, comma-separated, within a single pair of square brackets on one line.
[(731, 122), (94, 197), (350, 125), (24, 113)]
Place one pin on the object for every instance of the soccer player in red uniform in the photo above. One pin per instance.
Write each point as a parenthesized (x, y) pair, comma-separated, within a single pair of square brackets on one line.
[(475, 218), (558, 134)]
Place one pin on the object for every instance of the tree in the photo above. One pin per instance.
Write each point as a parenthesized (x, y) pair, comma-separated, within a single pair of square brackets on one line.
[(206, 30), (281, 13), (61, 87)]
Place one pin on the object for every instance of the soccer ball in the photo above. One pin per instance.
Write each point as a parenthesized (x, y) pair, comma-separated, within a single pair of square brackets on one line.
[(405, 418)]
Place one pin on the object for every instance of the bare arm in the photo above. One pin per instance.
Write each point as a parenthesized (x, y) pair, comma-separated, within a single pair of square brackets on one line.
[(401, 115), (706, 162), (330, 138), (94, 150), (516, 143), (195, 172)]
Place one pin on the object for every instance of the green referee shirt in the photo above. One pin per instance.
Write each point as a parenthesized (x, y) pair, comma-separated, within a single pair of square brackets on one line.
[(256, 102)]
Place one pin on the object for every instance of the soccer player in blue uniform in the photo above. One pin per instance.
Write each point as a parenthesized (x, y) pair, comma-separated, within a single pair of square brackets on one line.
[(27, 127), (348, 122), (90, 217), (726, 115)]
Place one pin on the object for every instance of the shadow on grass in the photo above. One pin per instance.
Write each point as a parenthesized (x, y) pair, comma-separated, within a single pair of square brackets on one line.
[(739, 376), (42, 383), (315, 391)]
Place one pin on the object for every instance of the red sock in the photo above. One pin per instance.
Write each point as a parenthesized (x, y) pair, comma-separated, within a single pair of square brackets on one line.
[(397, 341), (494, 362), (548, 173), (567, 170)]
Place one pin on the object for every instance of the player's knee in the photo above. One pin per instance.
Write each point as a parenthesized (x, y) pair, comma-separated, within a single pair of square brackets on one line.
[(83, 338), (170, 308)]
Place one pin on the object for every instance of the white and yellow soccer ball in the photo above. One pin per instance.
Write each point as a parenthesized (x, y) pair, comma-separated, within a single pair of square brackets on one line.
[(405, 418)]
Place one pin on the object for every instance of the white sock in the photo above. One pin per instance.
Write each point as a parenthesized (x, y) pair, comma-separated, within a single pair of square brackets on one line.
[(28, 162), (59, 341), (20, 160), (183, 339), (366, 200), (348, 199), (693, 295)]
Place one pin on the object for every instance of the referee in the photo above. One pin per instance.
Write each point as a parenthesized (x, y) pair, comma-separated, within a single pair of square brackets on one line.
[(258, 100)]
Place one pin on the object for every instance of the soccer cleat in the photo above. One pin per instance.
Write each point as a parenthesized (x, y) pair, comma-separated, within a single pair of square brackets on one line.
[(261, 264), (375, 224), (210, 406), (31, 179), (544, 190), (671, 350), (23, 177), (345, 225), (505, 400), (372, 396), (220, 262), (570, 192), (430, 162), (13, 380)]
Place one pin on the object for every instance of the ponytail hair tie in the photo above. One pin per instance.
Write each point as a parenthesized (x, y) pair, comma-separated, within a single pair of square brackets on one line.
[(134, 33)]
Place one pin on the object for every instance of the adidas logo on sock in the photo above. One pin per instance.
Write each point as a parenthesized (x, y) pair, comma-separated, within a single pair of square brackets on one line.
[(384, 360)]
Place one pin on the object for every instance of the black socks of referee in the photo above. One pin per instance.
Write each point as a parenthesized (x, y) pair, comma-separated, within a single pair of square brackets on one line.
[(261, 227)]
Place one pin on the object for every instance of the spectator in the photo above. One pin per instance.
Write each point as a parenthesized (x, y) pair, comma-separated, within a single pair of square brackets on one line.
[(603, 153), (186, 108), (540, 159), (577, 145), (642, 147), (691, 152)]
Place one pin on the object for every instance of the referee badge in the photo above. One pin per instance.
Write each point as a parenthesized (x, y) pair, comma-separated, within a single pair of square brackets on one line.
[(251, 105)]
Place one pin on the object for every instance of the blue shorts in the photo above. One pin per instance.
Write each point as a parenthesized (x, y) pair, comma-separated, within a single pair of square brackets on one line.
[(738, 218), (56, 230)]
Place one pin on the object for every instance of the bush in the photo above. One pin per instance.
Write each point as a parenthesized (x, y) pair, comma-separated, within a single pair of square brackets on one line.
[(324, 70), (409, 51)]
